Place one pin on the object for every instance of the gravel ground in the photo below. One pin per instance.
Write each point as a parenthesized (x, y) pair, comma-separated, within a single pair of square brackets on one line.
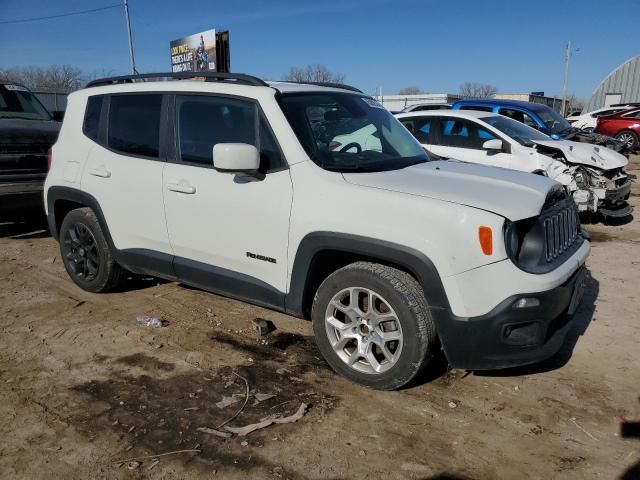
[(84, 388)]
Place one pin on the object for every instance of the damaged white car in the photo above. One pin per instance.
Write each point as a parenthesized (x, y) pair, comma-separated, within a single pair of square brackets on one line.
[(593, 175)]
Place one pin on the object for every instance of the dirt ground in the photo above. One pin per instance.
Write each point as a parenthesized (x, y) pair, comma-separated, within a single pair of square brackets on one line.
[(83, 388)]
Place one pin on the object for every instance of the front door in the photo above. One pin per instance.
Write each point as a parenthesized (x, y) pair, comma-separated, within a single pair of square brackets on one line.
[(229, 232), (462, 139)]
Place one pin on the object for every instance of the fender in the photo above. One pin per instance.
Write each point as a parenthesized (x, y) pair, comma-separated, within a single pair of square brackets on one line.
[(56, 193), (410, 259)]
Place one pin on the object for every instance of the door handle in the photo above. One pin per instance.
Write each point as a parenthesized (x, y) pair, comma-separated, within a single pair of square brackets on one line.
[(180, 188), (100, 172)]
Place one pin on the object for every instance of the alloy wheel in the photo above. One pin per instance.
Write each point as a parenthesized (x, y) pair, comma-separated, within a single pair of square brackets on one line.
[(81, 251), (364, 330), (627, 139)]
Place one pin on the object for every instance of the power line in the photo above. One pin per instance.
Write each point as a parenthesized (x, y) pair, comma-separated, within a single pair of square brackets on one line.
[(36, 19)]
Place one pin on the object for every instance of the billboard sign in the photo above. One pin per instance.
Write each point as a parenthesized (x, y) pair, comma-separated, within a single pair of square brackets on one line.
[(195, 53)]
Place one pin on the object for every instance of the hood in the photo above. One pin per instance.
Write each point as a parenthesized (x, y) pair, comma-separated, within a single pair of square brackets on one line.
[(586, 154), (509, 193), (18, 130)]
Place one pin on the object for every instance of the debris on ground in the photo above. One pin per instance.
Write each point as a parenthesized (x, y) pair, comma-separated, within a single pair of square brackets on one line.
[(146, 321), (213, 431), (247, 429), (262, 397), (133, 465), (262, 326), (453, 404), (153, 465), (226, 401)]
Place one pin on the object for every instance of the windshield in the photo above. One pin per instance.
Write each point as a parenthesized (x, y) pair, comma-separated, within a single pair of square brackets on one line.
[(347, 132), (18, 102), (553, 120), (520, 132)]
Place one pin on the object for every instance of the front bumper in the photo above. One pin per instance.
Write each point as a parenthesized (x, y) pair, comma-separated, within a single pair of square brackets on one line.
[(508, 336), (23, 195)]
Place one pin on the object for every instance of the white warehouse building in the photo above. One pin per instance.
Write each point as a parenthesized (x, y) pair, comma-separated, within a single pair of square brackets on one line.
[(620, 86)]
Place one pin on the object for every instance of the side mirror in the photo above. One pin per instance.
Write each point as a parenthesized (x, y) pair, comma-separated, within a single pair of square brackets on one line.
[(494, 144), (58, 115), (236, 158)]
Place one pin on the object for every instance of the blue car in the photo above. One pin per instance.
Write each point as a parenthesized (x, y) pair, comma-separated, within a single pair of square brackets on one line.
[(536, 115)]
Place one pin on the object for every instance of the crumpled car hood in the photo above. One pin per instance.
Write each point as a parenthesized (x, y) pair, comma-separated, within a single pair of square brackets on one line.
[(587, 154), (509, 193)]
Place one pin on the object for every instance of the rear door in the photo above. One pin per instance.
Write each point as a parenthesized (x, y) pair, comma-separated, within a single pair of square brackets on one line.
[(123, 172), (229, 232)]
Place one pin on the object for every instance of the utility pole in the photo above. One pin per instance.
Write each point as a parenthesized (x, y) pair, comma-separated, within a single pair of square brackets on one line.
[(567, 61), (126, 16)]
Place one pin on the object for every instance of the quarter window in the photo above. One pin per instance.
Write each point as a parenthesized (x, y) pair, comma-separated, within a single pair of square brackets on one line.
[(134, 124), (91, 126), (463, 134)]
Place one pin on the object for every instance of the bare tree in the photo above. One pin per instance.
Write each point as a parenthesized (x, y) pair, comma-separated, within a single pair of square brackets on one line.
[(412, 90), (314, 73), (477, 90), (573, 103), (59, 77)]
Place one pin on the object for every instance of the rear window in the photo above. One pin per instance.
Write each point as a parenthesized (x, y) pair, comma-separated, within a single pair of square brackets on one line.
[(91, 127), (134, 124)]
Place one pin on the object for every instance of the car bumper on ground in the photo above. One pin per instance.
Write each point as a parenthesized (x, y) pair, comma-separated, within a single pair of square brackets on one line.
[(511, 334)]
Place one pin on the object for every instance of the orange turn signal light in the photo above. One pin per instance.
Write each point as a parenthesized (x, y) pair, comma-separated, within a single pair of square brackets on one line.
[(485, 235)]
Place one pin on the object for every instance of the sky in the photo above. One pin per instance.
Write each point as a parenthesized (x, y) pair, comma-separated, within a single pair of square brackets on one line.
[(516, 45)]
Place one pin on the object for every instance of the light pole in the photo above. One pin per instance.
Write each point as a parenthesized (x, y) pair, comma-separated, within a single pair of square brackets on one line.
[(567, 61), (126, 16)]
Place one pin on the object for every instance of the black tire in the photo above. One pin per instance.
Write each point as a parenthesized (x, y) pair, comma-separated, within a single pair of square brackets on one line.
[(405, 296), (625, 135), (86, 254)]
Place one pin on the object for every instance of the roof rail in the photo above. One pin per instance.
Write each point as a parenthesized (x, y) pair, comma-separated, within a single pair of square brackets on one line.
[(343, 86), (239, 78)]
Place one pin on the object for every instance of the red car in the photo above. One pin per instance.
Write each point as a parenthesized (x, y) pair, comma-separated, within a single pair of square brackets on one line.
[(624, 126)]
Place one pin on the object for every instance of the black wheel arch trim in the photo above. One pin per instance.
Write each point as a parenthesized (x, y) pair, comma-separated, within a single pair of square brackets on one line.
[(414, 261)]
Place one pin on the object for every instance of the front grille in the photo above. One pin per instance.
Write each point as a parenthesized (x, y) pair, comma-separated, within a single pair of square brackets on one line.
[(561, 231), (24, 148)]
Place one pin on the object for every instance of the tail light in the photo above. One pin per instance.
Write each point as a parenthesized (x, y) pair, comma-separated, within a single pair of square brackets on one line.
[(49, 159)]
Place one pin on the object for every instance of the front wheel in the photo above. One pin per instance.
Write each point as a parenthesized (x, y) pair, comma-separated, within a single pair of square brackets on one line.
[(372, 325), (630, 139)]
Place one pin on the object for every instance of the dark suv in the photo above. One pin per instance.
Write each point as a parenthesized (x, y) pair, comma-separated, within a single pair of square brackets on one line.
[(27, 131)]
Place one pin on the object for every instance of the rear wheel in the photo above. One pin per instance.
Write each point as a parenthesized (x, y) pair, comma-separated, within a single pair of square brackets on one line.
[(86, 253), (630, 139), (372, 325)]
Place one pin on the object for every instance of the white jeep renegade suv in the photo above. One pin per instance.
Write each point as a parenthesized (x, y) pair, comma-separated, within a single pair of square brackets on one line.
[(238, 186)]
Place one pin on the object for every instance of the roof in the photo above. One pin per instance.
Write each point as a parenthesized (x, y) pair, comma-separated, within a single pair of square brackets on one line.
[(290, 87), (497, 101), (447, 113), (219, 78)]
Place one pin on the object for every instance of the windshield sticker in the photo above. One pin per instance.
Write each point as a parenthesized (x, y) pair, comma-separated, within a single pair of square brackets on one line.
[(371, 102), (17, 88)]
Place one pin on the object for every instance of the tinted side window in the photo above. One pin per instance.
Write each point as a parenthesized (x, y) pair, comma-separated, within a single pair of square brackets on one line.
[(632, 115), (203, 121), (463, 134), (270, 156), (479, 109), (515, 114), (420, 127), (91, 126), (134, 124)]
